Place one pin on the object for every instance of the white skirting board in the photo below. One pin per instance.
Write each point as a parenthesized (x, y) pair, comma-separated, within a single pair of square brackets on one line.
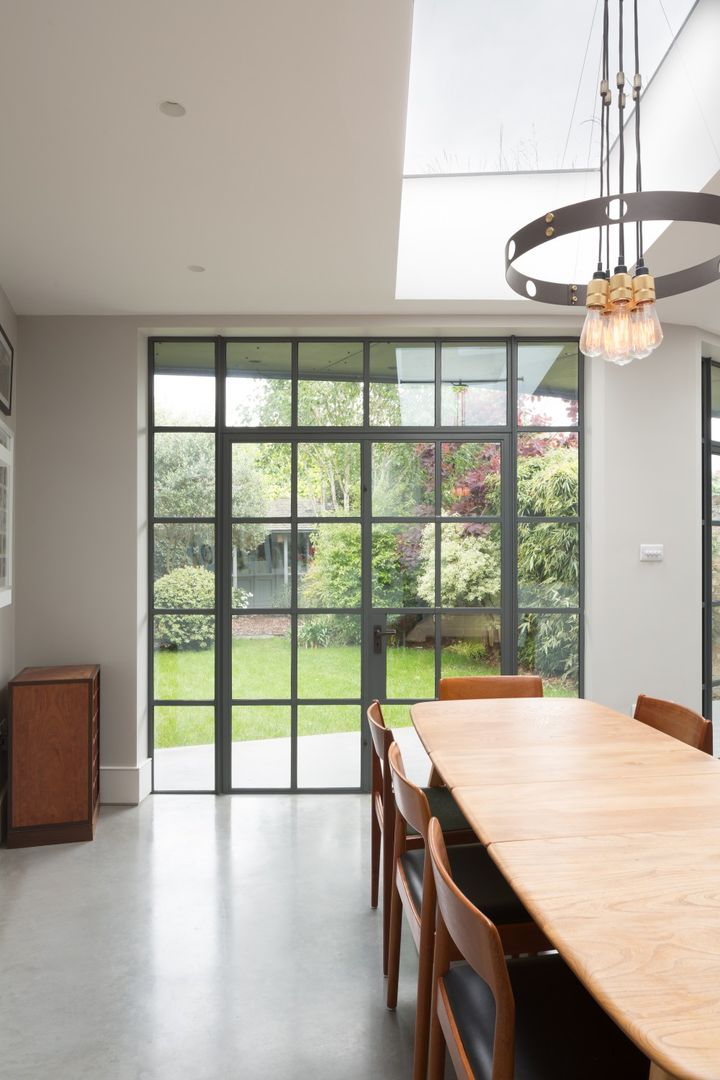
[(126, 785)]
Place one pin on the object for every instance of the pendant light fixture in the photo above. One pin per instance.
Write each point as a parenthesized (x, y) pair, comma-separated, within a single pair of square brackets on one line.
[(622, 323)]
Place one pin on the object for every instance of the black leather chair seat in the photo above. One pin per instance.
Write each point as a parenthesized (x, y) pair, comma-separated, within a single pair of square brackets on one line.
[(444, 808), (561, 1033), (475, 875)]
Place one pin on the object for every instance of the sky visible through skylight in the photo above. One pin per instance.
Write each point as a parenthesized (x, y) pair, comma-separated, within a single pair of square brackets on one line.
[(513, 86)]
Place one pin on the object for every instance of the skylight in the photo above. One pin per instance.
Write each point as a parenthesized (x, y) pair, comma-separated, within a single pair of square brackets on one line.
[(510, 87)]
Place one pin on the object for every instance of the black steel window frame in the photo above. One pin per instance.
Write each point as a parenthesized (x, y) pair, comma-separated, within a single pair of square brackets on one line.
[(294, 433), (710, 604)]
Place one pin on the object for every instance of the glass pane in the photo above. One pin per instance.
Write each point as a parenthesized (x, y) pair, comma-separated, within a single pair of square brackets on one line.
[(261, 479), (715, 402), (547, 384), (184, 466), (328, 479), (330, 392), (548, 646), (260, 746), (329, 565), (258, 388), (184, 657), (470, 565), (403, 479), (715, 485), (715, 559), (178, 548), (261, 566), (548, 565), (410, 657), (329, 656), (328, 749), (184, 383), (716, 643), (4, 525), (261, 656), (184, 754), (474, 385), (470, 478), (547, 477), (398, 715), (470, 645), (403, 565), (402, 384)]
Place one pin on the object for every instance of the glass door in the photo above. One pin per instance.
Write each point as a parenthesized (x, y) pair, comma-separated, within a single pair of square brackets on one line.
[(437, 557)]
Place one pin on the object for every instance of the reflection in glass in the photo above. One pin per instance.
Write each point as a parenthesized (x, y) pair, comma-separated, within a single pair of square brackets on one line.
[(184, 647), (410, 657), (180, 546), (328, 656), (184, 747), (184, 470), (470, 645), (330, 391), (184, 383), (260, 746), (470, 478), (547, 384), (715, 402), (403, 479), (329, 561), (716, 643), (470, 565), (258, 388), (328, 748), (715, 486), (260, 656), (261, 479), (547, 475), (261, 565), (474, 384), (403, 565), (548, 646), (328, 479), (715, 561), (548, 565), (402, 384)]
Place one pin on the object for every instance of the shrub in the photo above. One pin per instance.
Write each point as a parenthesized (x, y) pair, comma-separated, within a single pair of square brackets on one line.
[(320, 631), (188, 587), (468, 649)]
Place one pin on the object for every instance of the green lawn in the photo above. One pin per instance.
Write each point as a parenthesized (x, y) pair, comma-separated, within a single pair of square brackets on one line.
[(261, 669)]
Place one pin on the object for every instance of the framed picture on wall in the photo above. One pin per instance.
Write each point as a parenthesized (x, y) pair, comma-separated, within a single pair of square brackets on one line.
[(6, 372)]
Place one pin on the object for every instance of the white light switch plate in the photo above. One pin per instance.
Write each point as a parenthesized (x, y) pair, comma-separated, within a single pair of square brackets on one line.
[(651, 553)]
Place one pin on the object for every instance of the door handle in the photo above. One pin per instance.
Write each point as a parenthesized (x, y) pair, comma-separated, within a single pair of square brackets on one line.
[(378, 635)]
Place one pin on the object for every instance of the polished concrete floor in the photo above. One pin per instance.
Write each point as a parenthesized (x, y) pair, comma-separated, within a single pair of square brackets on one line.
[(201, 938)]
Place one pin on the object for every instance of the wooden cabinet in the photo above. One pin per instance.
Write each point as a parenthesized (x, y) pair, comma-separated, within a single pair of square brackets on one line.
[(54, 755)]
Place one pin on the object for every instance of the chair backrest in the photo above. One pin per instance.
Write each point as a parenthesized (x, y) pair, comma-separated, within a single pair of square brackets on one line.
[(490, 686), (409, 799), (676, 720), (478, 941), (382, 736)]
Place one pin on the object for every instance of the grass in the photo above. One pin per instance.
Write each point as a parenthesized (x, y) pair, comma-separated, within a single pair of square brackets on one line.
[(261, 670)]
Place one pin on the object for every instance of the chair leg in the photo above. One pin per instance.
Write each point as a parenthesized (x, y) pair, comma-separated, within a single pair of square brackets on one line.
[(388, 875), (394, 948), (436, 1051), (424, 995), (374, 857)]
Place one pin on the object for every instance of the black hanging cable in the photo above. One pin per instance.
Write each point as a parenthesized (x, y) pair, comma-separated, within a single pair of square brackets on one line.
[(606, 117), (604, 103), (621, 106), (637, 88)]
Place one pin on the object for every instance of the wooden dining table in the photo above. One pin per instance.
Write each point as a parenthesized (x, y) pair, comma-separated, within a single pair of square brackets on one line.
[(609, 831)]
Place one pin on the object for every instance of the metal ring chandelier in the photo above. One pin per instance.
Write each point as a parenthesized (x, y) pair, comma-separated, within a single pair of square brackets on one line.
[(621, 322)]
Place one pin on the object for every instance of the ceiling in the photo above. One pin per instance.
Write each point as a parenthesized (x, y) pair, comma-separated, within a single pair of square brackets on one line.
[(283, 179)]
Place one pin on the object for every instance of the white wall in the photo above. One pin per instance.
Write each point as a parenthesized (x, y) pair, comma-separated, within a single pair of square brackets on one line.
[(81, 505), (644, 620), (7, 614)]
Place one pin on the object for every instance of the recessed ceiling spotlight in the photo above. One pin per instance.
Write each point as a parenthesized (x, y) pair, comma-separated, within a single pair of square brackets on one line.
[(196, 269), (172, 108)]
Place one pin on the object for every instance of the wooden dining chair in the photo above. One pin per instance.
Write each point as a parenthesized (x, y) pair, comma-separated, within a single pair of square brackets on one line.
[(465, 687), (414, 891), (524, 1019), (676, 720), (382, 819)]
